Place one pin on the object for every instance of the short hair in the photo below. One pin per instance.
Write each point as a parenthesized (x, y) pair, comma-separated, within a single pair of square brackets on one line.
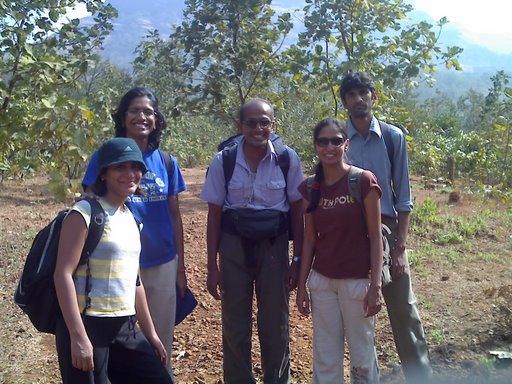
[(249, 103), (120, 114), (355, 80)]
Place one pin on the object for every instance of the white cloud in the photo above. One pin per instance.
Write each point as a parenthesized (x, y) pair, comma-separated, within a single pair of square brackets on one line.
[(485, 23), (78, 11)]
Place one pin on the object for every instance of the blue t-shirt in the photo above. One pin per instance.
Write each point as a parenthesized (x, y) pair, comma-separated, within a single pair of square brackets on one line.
[(152, 209)]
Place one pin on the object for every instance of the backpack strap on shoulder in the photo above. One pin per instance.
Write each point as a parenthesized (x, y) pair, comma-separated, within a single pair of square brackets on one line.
[(309, 185), (354, 183), (283, 159), (95, 231), (168, 164), (388, 140), (228, 163)]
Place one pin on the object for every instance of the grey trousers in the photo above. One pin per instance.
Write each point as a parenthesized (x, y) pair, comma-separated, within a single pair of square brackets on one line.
[(406, 324), (267, 278)]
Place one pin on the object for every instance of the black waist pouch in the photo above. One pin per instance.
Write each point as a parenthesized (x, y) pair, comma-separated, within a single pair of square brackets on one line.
[(254, 224)]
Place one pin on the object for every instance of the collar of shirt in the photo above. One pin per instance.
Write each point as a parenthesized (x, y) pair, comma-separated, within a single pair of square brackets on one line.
[(374, 127)]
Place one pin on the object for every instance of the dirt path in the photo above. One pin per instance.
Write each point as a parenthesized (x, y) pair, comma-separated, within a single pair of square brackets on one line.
[(460, 303)]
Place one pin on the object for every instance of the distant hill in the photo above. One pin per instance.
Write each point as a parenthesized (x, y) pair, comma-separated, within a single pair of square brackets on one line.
[(136, 18)]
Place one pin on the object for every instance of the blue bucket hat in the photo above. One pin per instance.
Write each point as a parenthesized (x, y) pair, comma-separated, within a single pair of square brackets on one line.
[(119, 150)]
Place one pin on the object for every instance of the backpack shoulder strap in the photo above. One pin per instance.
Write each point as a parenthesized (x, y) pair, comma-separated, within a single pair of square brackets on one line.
[(228, 163), (388, 141), (168, 164), (309, 185), (95, 231), (283, 157), (230, 141), (354, 182)]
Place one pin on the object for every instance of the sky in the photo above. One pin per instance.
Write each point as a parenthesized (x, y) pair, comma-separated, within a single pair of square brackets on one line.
[(481, 22)]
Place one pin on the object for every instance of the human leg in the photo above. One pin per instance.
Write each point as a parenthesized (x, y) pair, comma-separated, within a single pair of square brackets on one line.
[(408, 332), (133, 359), (101, 332), (160, 286), (359, 331), (328, 334), (273, 309), (69, 374), (404, 317), (238, 281)]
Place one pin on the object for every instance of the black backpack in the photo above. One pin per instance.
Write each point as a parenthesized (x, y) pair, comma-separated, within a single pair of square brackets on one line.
[(35, 293)]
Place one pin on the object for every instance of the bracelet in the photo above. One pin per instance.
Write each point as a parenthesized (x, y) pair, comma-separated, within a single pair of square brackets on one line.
[(296, 259)]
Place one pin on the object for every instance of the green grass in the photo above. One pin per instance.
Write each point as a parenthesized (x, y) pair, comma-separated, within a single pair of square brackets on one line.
[(451, 238), (437, 335)]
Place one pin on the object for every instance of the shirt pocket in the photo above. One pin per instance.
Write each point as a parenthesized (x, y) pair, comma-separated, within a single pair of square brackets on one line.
[(273, 191), (237, 192)]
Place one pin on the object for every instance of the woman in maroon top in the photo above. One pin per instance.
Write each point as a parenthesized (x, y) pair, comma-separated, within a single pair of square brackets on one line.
[(342, 255)]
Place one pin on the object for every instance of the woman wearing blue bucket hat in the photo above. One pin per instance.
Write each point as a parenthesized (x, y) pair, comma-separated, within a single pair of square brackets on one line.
[(97, 336)]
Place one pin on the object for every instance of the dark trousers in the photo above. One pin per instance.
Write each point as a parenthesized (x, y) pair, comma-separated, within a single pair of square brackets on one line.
[(267, 278), (405, 321), (121, 354)]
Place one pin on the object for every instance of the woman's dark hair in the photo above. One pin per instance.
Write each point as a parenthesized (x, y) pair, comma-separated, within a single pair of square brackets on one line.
[(355, 80), (314, 198), (120, 114)]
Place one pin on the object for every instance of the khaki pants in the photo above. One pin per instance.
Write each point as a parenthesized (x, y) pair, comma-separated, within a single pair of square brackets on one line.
[(160, 286), (338, 314), (404, 317)]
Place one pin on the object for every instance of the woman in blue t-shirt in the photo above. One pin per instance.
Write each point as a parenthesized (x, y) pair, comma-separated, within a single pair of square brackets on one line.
[(162, 257), (97, 336)]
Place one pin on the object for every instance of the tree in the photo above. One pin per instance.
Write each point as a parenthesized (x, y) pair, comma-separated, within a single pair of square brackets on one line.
[(223, 52), (44, 57), (497, 113), (369, 36)]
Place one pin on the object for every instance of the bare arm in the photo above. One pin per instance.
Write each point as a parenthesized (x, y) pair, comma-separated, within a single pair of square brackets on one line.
[(174, 209), (297, 222), (72, 239), (146, 323), (308, 248), (398, 249), (213, 231), (373, 223)]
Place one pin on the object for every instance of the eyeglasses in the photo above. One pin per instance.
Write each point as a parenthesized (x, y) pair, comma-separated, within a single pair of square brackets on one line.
[(324, 141), (137, 111), (264, 123)]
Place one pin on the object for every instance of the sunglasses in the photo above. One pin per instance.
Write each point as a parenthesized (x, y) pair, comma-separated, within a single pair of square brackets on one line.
[(264, 123), (324, 141)]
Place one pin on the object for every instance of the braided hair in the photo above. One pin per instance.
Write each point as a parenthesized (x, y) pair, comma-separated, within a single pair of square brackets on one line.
[(314, 198)]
